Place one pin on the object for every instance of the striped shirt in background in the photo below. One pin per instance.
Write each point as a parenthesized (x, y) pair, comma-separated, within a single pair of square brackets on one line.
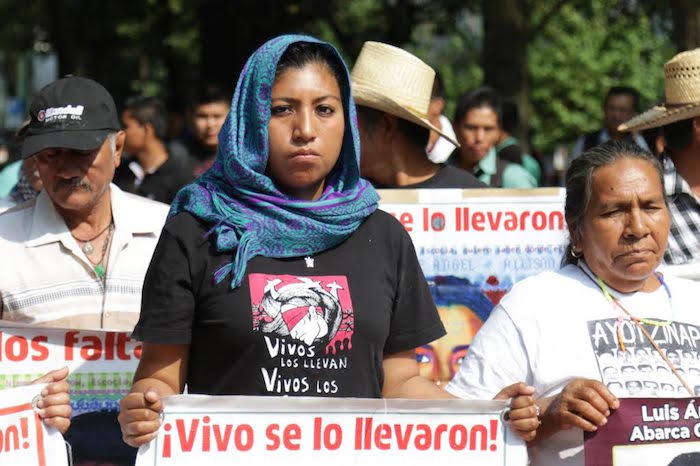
[(684, 238)]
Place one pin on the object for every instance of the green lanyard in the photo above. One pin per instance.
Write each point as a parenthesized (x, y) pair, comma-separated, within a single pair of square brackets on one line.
[(655, 323), (638, 322)]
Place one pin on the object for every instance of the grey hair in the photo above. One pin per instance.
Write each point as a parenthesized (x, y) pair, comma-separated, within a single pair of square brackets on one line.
[(579, 182), (112, 141)]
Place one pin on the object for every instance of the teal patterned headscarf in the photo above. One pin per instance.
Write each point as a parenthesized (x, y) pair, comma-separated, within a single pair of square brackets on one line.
[(247, 214)]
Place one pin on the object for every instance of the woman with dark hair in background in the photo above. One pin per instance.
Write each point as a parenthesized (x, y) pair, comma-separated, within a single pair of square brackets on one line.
[(277, 258)]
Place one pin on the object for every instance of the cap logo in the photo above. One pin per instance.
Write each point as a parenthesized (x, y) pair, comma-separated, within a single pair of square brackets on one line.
[(60, 113)]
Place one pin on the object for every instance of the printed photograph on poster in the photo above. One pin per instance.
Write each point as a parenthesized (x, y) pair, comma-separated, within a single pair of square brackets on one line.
[(463, 309), (663, 454), (472, 249), (647, 431)]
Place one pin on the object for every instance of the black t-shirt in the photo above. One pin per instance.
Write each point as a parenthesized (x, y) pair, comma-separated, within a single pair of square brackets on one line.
[(447, 177), (161, 185), (309, 326), (201, 158)]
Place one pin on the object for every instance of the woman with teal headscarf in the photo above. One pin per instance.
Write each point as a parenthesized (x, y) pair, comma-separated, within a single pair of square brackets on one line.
[(275, 273)]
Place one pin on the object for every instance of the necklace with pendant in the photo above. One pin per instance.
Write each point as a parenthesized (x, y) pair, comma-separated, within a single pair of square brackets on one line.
[(99, 266), (88, 248)]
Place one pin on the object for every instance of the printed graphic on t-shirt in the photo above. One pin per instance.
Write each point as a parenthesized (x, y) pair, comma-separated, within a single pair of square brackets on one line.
[(639, 370), (307, 323)]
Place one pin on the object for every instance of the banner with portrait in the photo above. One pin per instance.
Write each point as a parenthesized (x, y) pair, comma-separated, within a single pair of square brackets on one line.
[(648, 431), (473, 245), (24, 439), (101, 364), (300, 431)]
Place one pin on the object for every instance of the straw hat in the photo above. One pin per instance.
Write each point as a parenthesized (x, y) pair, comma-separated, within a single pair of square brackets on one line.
[(391, 80), (682, 78)]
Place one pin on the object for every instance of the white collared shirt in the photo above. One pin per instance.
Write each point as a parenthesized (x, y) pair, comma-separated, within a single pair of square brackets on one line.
[(46, 279), (443, 148)]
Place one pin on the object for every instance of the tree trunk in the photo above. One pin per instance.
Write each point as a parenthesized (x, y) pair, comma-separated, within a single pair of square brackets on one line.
[(686, 22), (59, 26), (504, 56)]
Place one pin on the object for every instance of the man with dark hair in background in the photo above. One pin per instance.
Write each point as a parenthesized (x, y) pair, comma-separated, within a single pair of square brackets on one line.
[(679, 117), (477, 124), (508, 147), (621, 103), (392, 91), (151, 172), (208, 113)]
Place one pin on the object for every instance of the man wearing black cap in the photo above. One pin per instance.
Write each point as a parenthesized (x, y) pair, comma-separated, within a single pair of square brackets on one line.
[(82, 236), (80, 250)]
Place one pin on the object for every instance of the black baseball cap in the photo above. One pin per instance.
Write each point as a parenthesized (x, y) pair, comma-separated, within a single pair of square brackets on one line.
[(72, 113)]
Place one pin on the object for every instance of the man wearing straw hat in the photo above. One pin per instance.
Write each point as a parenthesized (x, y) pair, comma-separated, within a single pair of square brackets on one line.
[(392, 90), (679, 117)]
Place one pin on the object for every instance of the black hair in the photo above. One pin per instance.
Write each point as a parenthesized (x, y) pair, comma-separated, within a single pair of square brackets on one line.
[(509, 116), (579, 182), (686, 459), (679, 134), (438, 90), (624, 90), (300, 54), (414, 134), (370, 116), (209, 93), (149, 110), (481, 97)]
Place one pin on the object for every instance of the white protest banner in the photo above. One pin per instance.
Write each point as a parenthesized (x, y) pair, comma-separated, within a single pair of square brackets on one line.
[(473, 245), (24, 439), (293, 431), (101, 364)]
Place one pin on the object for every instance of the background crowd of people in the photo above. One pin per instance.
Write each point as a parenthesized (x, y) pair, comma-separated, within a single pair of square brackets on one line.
[(166, 149)]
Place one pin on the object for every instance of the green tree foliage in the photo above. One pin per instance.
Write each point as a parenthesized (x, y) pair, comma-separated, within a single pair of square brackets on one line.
[(579, 55), (446, 35), (575, 49)]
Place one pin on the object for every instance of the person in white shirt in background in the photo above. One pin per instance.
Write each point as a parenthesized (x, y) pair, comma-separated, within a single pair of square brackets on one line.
[(439, 148)]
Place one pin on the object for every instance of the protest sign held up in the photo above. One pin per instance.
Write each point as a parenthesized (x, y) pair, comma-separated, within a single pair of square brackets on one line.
[(653, 431), (473, 245), (101, 363), (297, 431)]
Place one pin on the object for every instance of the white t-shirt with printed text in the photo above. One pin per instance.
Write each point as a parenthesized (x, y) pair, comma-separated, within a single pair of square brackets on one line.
[(558, 326)]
